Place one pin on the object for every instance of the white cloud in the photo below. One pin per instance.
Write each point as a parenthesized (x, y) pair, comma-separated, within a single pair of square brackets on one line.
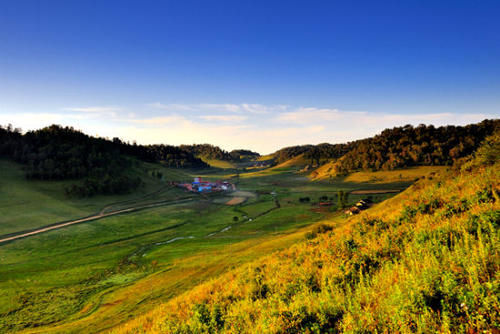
[(157, 121), (106, 111), (218, 107), (254, 108), (340, 119), (309, 115), (93, 109), (262, 109), (224, 118), (242, 126), (170, 107)]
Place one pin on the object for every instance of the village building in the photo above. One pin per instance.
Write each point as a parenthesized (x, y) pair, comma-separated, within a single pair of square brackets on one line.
[(352, 211), (362, 204), (198, 185)]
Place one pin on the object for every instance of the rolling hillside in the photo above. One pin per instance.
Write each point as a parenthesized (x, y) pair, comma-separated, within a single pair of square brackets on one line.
[(424, 261), (410, 174), (45, 202), (392, 149), (99, 274), (217, 163), (298, 162)]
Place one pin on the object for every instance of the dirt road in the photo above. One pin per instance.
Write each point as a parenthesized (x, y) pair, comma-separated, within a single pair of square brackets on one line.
[(90, 218)]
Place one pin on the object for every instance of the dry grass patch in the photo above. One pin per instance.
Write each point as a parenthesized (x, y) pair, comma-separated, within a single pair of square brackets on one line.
[(236, 200)]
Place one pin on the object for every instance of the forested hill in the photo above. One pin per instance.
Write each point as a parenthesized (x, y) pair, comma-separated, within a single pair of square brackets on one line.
[(411, 146), (425, 261), (62, 153), (212, 152), (398, 147), (244, 155), (314, 153)]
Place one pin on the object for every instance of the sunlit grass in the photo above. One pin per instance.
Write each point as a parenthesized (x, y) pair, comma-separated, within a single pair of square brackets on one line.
[(425, 261)]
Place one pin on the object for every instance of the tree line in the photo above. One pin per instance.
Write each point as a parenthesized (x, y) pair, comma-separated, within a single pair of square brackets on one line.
[(412, 146), (398, 147), (213, 152), (98, 165), (315, 154)]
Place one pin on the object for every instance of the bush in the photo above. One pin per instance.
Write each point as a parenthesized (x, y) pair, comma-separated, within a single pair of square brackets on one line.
[(318, 229)]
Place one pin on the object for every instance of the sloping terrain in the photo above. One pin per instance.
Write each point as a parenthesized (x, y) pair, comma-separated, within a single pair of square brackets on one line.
[(98, 274), (218, 163), (327, 171), (28, 204), (424, 261), (324, 171), (297, 161)]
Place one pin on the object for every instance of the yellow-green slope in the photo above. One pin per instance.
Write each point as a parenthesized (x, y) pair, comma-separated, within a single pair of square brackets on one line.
[(327, 171), (218, 163), (425, 261)]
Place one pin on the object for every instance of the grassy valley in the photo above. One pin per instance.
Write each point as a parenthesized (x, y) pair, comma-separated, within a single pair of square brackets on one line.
[(249, 167), (136, 267), (425, 261), (92, 273)]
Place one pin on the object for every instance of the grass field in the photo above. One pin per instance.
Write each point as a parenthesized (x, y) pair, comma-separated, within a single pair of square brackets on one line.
[(218, 163), (408, 175), (266, 157), (425, 261), (94, 275), (327, 171), (27, 204)]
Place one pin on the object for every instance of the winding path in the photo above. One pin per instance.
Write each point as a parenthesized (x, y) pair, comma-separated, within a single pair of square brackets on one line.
[(90, 218)]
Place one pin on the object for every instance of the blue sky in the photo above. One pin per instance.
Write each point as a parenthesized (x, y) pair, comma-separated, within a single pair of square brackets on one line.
[(247, 74)]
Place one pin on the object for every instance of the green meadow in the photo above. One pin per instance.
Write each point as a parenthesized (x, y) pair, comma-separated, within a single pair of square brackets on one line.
[(96, 274)]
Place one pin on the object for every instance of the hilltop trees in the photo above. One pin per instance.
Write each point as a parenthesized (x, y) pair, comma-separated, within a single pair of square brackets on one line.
[(412, 146), (61, 153), (397, 148), (101, 165), (326, 151), (207, 151), (243, 155), (172, 156), (287, 153), (212, 152)]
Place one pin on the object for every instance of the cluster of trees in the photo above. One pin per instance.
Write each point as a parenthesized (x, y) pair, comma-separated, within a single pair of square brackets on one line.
[(343, 198), (304, 199), (104, 184), (63, 153), (321, 152), (398, 147), (411, 146), (212, 152), (207, 151), (243, 155), (172, 156), (290, 152), (315, 153)]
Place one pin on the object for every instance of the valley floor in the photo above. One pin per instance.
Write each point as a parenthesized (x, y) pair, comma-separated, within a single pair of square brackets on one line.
[(97, 274)]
